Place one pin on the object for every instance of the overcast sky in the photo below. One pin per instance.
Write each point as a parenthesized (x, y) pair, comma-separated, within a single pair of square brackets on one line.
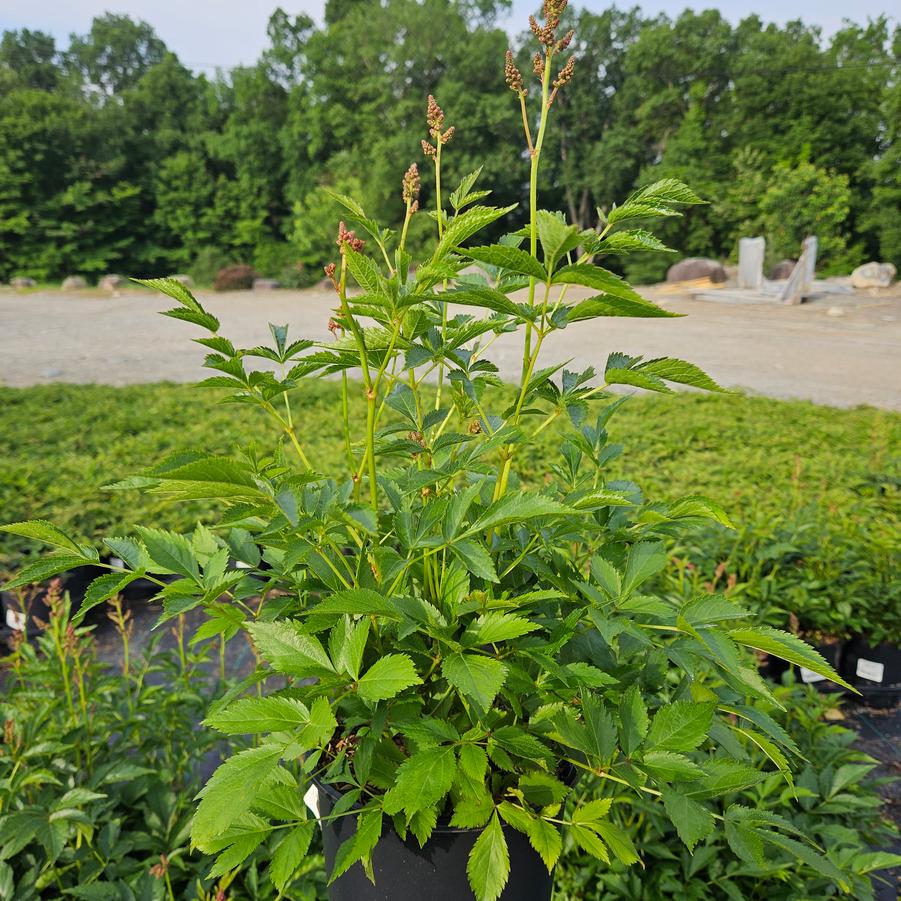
[(210, 33)]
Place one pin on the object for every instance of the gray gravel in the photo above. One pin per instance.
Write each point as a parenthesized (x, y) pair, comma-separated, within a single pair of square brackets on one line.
[(842, 350)]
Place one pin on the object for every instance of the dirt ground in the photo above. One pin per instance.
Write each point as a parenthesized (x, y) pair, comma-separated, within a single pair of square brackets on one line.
[(841, 350)]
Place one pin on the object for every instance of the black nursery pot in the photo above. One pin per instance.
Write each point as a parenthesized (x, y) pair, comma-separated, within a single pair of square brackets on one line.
[(874, 670), (405, 872)]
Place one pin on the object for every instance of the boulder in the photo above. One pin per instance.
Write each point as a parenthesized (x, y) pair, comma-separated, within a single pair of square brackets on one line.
[(183, 279), (782, 270), (325, 284), (696, 267), (22, 281), (873, 275), (238, 277), (111, 283), (73, 283), (265, 284)]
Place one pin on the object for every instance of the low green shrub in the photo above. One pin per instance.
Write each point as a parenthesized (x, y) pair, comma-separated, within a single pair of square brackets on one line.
[(833, 800), (99, 768)]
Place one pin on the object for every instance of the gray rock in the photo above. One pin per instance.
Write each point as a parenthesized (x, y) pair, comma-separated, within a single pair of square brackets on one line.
[(111, 283), (782, 270), (696, 267), (73, 283), (183, 279), (22, 281), (873, 275), (265, 284)]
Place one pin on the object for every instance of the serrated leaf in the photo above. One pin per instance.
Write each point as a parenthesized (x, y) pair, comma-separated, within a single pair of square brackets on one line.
[(679, 371), (473, 555), (231, 790), (633, 717), (290, 853), (102, 589), (356, 602), (171, 552), (497, 626), (41, 530), (680, 726), (476, 677), (632, 241), (670, 767), (787, 647), (44, 568), (516, 508), (511, 258), (692, 820), (488, 867), (388, 677), (547, 841), (251, 716), (618, 841), (556, 237), (606, 305), (289, 650), (464, 225), (422, 780)]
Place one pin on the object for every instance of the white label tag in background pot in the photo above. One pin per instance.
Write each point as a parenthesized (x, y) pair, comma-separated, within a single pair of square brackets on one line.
[(808, 676), (870, 670), (15, 620), (311, 799)]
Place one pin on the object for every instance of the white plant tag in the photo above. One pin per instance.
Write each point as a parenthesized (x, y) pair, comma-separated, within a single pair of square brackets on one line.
[(870, 670), (808, 676), (311, 799), (15, 619)]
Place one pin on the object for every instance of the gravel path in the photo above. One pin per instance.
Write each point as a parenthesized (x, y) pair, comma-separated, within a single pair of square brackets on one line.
[(843, 350)]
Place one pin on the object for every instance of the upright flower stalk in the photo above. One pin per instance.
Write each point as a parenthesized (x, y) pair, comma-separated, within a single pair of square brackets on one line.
[(435, 120)]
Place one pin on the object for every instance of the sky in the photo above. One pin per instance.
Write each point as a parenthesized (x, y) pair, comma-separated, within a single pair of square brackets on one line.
[(222, 33)]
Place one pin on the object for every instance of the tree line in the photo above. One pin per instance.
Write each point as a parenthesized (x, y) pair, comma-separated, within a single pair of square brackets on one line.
[(116, 156)]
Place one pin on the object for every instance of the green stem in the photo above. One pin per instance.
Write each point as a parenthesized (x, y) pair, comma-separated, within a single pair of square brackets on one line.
[(535, 153)]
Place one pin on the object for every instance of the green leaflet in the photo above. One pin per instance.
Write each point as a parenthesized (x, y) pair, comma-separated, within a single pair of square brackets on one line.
[(231, 790), (680, 726), (488, 867), (692, 820), (41, 530), (289, 650), (387, 677), (422, 780), (787, 647), (290, 853), (511, 258), (466, 224), (45, 568), (476, 677)]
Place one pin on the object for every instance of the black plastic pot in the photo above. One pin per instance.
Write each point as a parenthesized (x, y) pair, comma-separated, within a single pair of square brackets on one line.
[(405, 872), (874, 670), (772, 667), (833, 654)]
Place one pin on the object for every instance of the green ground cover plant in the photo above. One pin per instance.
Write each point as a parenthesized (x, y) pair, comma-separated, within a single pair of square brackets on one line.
[(824, 488)]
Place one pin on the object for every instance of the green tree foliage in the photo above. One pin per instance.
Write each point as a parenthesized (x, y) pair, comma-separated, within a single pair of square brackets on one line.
[(805, 200), (115, 155)]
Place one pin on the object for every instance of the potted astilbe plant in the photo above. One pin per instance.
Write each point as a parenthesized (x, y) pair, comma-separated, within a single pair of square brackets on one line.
[(444, 650)]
